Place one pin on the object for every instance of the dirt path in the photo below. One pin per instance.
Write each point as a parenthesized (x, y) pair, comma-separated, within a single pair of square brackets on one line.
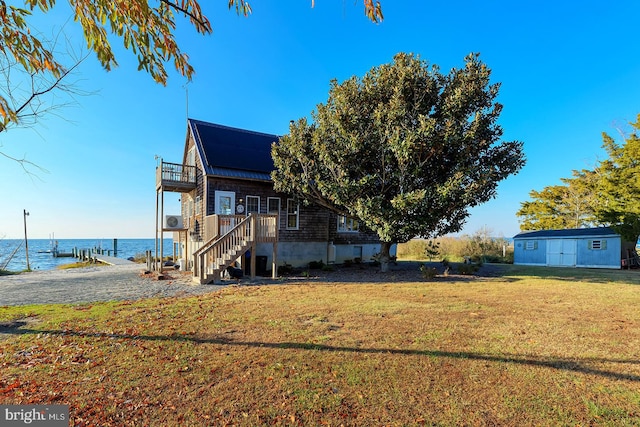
[(100, 283)]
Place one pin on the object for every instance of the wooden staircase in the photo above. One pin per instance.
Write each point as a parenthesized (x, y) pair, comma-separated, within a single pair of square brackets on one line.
[(220, 252)]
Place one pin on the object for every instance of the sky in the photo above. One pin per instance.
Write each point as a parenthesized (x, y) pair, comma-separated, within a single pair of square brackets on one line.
[(569, 71)]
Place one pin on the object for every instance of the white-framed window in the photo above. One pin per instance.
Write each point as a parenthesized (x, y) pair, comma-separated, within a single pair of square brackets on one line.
[(347, 225), (597, 245), (530, 245), (253, 204), (293, 217)]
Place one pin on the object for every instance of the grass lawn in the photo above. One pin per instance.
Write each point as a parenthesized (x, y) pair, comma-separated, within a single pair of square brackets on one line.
[(528, 347)]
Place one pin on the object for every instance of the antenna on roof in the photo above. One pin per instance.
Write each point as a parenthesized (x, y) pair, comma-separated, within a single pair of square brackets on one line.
[(186, 91)]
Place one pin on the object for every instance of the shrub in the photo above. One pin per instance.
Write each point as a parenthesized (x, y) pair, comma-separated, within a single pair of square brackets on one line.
[(285, 269), (375, 259), (316, 265), (428, 273), (467, 269)]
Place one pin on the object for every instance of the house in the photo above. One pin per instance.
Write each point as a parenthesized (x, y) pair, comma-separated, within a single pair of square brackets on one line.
[(599, 247), (231, 214)]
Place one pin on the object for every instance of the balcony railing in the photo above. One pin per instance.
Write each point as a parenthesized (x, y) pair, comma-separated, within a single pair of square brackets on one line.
[(175, 177)]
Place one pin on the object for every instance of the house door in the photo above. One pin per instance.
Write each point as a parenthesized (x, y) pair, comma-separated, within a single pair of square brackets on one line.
[(225, 205), (562, 252)]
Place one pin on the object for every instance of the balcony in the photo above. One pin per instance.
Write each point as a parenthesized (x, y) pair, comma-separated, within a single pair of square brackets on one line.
[(175, 177)]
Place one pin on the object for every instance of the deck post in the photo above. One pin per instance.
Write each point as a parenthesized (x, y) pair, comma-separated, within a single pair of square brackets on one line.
[(274, 260), (161, 231), (274, 271), (156, 242), (254, 246)]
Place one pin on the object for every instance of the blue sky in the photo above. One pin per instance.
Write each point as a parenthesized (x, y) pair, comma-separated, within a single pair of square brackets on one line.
[(569, 71)]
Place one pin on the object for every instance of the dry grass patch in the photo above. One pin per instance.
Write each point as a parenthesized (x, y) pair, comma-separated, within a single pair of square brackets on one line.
[(510, 350)]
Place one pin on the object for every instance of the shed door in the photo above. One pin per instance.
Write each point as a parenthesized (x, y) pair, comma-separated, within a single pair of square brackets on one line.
[(562, 252)]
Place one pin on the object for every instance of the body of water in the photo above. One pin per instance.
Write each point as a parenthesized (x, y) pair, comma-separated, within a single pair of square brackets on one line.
[(40, 259)]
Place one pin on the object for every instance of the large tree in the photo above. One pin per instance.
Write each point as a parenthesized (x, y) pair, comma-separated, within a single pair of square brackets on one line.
[(571, 205), (619, 184), (405, 149), (146, 27)]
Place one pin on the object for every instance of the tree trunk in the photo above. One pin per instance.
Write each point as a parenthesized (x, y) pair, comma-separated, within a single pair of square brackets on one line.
[(385, 247)]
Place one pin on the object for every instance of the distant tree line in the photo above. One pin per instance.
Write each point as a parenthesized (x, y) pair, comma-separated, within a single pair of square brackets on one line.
[(480, 246)]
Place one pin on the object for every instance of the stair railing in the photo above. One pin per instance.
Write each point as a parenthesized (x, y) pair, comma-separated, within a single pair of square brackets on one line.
[(216, 252)]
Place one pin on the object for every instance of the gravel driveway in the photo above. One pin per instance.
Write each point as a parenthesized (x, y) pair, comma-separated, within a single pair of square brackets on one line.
[(99, 283)]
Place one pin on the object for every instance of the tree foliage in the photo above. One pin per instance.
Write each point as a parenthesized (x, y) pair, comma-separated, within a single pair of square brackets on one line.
[(146, 27), (405, 149), (432, 249), (483, 246), (146, 30), (608, 195), (571, 205), (619, 184)]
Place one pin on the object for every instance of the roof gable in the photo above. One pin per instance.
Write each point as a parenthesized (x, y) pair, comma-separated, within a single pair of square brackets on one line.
[(569, 232), (233, 152)]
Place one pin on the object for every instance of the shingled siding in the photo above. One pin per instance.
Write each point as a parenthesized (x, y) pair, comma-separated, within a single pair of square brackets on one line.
[(316, 224), (194, 221), (242, 189), (363, 236)]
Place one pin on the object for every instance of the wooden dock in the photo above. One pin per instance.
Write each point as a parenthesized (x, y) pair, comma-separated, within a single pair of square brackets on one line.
[(111, 260)]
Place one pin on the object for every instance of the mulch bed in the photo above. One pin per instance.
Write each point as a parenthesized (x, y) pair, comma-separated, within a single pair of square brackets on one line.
[(401, 271)]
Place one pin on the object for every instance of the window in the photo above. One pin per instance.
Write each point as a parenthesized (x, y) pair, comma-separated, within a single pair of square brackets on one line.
[(597, 245), (530, 245), (191, 157), (253, 204), (292, 215), (188, 174), (198, 205), (189, 206), (347, 225)]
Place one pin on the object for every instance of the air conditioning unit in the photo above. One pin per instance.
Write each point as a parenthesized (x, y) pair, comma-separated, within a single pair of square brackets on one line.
[(173, 222)]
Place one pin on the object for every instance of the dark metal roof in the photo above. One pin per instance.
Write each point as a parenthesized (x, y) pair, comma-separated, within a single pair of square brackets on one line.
[(570, 232), (233, 152)]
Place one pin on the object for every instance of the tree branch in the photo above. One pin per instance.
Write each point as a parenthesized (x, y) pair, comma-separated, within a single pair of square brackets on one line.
[(203, 23), (53, 85)]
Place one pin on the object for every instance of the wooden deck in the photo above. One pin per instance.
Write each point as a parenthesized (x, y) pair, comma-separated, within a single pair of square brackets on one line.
[(111, 260)]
